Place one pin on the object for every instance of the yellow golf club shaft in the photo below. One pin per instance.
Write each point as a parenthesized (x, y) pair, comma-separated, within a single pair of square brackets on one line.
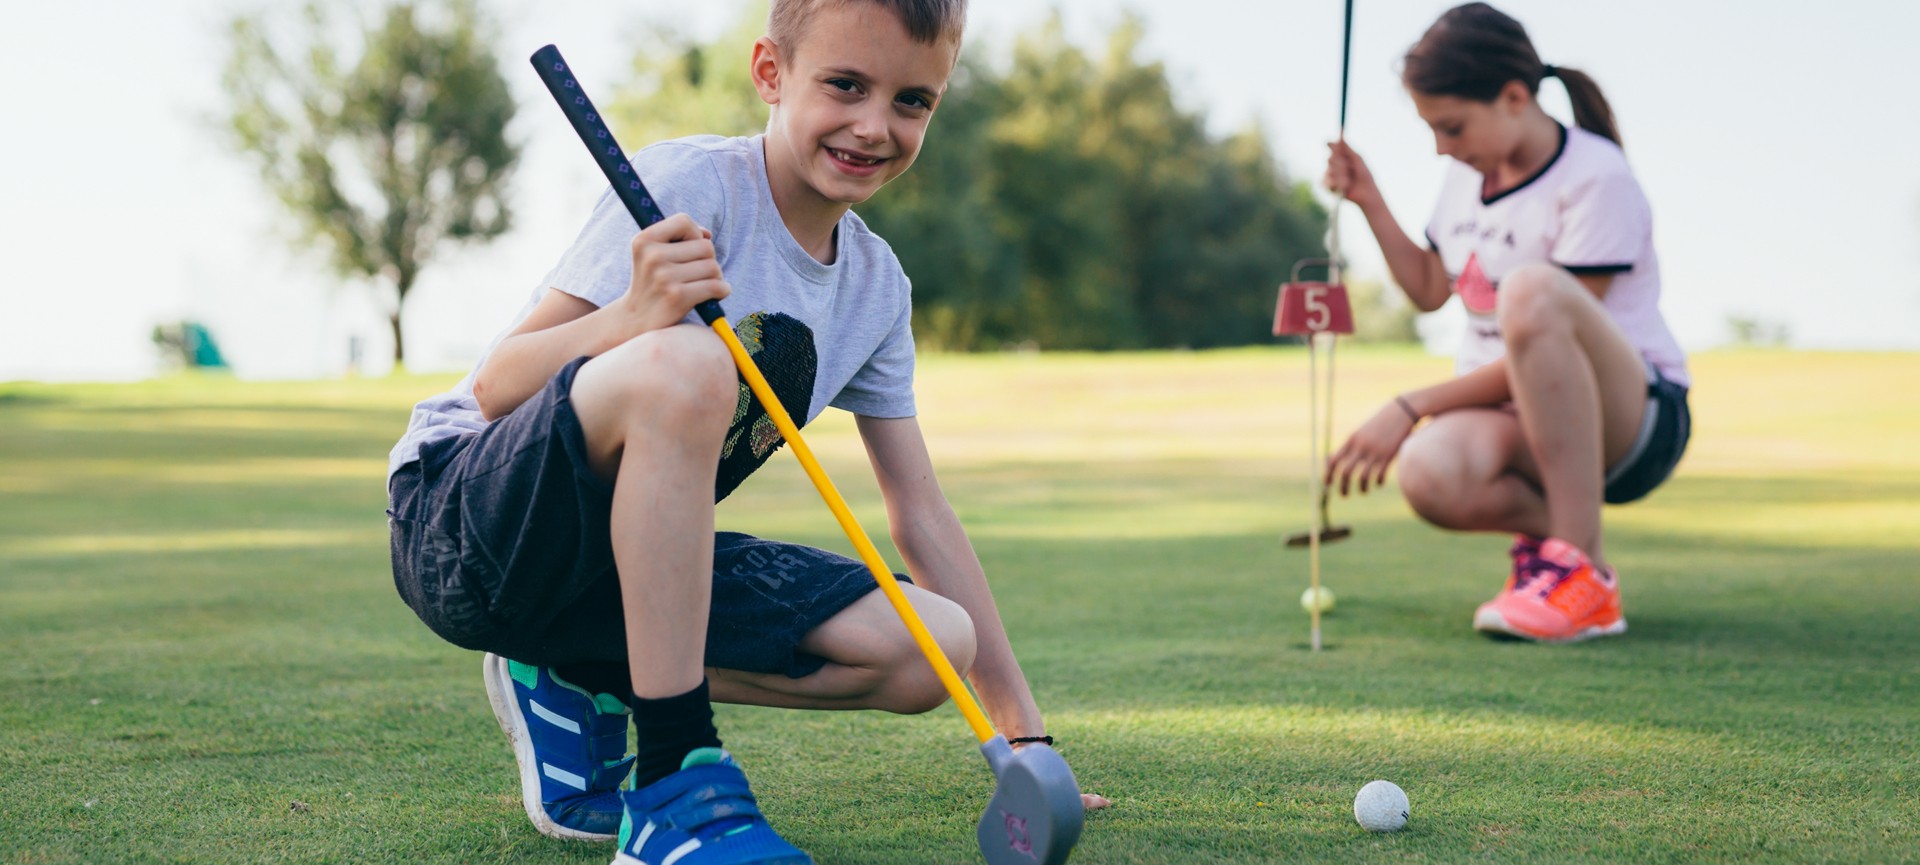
[(881, 574)]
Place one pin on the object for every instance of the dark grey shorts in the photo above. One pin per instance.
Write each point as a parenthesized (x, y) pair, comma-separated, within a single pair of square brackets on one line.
[(1664, 431), (501, 542)]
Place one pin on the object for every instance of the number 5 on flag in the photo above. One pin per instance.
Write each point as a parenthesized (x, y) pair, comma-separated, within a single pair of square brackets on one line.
[(1312, 307)]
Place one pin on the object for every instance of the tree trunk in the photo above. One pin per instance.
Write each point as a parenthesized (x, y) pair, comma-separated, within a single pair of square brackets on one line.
[(401, 284), (399, 354)]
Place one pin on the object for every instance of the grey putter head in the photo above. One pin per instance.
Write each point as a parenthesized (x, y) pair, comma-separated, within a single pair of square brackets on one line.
[(1036, 812)]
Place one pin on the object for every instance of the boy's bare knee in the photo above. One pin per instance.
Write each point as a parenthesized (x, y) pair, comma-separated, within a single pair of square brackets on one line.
[(915, 689), (679, 378), (951, 627), (911, 686)]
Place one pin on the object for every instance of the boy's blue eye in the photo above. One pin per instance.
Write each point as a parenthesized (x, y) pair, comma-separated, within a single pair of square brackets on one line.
[(845, 85), (915, 100)]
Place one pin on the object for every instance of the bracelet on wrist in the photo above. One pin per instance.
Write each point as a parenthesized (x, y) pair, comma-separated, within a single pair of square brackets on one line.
[(1023, 740), (1407, 407)]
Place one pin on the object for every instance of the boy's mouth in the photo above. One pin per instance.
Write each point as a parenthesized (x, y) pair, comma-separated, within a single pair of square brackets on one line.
[(857, 162)]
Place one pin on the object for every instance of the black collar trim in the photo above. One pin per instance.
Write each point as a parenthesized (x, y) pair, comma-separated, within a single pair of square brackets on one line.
[(1536, 175)]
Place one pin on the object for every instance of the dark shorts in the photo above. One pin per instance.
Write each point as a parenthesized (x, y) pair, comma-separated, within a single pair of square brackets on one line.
[(501, 543), (1664, 431)]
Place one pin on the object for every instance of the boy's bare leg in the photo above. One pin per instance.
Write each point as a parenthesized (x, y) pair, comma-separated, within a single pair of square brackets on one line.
[(1581, 390), (872, 660), (655, 412), (649, 412)]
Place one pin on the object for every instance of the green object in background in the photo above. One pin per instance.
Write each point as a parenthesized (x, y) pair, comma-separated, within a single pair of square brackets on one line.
[(199, 348), (188, 344)]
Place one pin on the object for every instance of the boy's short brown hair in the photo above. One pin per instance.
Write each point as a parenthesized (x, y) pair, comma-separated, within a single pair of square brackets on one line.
[(928, 21)]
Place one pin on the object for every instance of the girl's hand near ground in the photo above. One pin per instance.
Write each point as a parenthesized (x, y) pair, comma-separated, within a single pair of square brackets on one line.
[(1347, 174), (674, 269), (1371, 449)]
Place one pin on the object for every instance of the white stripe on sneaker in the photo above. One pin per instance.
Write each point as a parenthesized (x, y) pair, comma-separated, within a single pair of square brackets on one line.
[(548, 716), (682, 850), (641, 840), (563, 776)]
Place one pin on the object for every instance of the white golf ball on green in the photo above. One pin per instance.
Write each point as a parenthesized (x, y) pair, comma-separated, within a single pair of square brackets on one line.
[(1381, 807), (1321, 597)]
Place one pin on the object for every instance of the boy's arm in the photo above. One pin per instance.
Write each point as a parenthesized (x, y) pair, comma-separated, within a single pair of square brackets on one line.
[(673, 269), (560, 328), (941, 559)]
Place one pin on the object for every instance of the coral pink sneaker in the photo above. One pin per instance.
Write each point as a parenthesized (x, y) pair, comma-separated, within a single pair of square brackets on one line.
[(1556, 596), (1525, 549)]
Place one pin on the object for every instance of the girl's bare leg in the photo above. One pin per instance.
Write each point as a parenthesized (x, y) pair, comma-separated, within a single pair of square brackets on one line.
[(1580, 388), (1470, 470)]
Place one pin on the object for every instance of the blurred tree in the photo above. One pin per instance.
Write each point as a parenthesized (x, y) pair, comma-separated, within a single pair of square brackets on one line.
[(1379, 314), (1067, 201), (383, 161), (682, 87)]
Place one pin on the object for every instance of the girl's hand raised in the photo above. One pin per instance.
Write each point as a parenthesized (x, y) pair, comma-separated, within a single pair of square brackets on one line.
[(1347, 174)]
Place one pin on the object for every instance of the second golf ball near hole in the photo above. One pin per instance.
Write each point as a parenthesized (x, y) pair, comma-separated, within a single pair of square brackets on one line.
[(1321, 597), (1381, 807)]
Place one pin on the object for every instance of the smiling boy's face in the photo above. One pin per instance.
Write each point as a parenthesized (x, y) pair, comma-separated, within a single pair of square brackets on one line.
[(851, 103)]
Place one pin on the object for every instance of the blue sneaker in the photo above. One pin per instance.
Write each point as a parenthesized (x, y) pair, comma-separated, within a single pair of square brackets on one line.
[(571, 746), (701, 815)]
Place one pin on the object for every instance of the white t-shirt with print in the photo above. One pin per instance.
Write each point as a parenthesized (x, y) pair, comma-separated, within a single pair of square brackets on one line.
[(855, 314), (1583, 211)]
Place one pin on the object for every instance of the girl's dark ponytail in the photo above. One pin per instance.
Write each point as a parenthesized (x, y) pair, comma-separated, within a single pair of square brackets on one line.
[(1590, 109), (1475, 49)]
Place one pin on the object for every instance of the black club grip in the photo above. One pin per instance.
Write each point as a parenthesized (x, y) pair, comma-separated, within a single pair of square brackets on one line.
[(572, 99)]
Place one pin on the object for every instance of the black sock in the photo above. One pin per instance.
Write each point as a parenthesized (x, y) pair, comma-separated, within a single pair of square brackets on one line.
[(600, 677), (668, 729)]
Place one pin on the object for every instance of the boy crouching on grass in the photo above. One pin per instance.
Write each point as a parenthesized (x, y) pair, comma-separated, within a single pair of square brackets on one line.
[(556, 509)]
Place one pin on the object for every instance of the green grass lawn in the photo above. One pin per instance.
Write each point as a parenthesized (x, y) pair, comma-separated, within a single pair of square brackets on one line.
[(206, 661)]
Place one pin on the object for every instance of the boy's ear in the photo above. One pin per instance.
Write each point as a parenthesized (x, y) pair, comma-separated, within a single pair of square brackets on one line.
[(765, 67)]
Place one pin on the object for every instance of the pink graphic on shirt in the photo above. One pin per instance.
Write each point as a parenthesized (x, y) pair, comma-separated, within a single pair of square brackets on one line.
[(1475, 290)]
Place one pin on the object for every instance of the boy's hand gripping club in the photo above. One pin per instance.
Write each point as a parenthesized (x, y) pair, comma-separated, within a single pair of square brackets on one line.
[(1036, 812)]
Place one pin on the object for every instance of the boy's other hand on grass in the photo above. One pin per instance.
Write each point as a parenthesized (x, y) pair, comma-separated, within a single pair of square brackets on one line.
[(1091, 801), (1371, 449), (674, 269)]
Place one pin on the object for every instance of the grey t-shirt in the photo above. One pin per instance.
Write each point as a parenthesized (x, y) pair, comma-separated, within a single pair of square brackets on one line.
[(845, 326)]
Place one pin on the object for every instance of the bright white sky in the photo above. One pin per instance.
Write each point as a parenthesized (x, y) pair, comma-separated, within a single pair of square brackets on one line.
[(1775, 139)]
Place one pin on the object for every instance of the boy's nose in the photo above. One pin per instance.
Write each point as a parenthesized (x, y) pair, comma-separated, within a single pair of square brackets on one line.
[(870, 127)]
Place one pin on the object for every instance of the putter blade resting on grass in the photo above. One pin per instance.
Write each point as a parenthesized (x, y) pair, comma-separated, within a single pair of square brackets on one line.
[(1036, 812)]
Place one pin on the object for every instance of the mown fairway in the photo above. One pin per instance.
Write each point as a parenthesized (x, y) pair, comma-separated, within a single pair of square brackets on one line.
[(206, 661)]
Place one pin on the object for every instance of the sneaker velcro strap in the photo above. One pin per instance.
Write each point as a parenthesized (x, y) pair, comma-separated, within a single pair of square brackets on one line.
[(607, 741), (713, 803), (609, 776)]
